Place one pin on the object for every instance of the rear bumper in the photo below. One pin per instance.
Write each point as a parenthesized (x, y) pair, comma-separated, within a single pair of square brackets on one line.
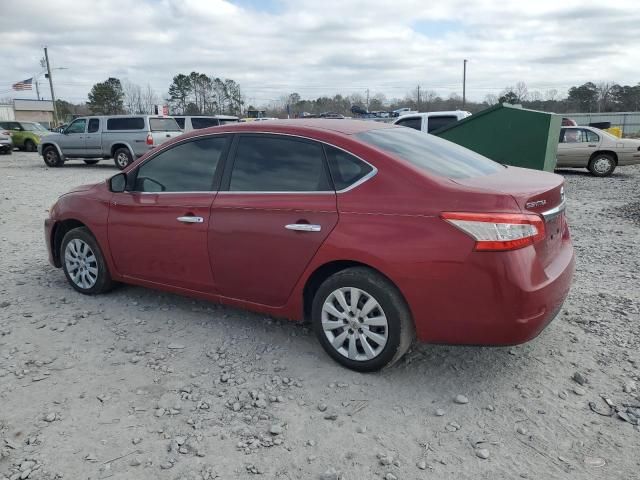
[(502, 298)]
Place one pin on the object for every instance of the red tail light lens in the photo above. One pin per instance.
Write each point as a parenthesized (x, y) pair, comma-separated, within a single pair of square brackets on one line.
[(499, 231), (149, 139)]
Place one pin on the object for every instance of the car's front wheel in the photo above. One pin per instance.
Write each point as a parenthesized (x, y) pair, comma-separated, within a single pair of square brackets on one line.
[(51, 157), (83, 262), (30, 146), (361, 320), (122, 158), (602, 165)]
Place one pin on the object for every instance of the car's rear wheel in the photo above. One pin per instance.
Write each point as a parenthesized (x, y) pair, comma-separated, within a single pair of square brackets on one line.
[(122, 158), (361, 320), (83, 262), (30, 146), (91, 162), (51, 157), (602, 165)]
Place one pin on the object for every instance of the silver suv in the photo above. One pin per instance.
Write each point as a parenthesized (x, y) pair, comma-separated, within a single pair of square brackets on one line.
[(121, 137)]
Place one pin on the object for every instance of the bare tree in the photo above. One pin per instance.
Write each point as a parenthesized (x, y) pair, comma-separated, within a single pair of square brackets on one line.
[(148, 99), (132, 96), (521, 91), (551, 94), (490, 99), (535, 96), (604, 90)]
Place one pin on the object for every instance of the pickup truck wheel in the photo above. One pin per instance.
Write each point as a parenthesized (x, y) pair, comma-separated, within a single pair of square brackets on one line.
[(51, 157), (91, 162), (122, 158), (29, 146), (602, 165)]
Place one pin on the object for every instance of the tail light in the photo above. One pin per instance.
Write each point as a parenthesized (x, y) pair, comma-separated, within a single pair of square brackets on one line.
[(499, 231), (149, 139)]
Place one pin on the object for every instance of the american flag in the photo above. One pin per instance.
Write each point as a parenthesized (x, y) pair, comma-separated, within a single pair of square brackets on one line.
[(23, 85)]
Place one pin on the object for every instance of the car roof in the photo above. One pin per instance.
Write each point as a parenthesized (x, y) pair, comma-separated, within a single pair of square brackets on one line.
[(343, 126)]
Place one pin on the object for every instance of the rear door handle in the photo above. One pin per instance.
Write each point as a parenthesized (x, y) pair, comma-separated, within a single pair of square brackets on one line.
[(303, 227), (190, 219)]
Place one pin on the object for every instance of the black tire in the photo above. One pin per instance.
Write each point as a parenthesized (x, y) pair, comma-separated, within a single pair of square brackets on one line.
[(399, 330), (30, 146), (602, 165), (102, 282), (122, 158), (91, 162), (51, 157)]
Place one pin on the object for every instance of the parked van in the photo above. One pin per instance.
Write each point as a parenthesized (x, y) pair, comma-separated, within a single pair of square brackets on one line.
[(431, 121), (121, 137), (189, 122)]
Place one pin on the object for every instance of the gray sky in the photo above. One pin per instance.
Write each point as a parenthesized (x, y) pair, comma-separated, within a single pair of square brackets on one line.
[(315, 48)]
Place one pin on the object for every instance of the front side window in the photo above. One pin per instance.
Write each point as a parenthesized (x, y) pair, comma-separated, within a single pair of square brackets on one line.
[(94, 125), (125, 123), (77, 126), (415, 123), (345, 168), (271, 164), (187, 167), (430, 153), (198, 123), (440, 121), (180, 122)]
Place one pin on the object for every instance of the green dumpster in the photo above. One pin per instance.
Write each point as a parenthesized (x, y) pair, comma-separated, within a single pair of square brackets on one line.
[(509, 134)]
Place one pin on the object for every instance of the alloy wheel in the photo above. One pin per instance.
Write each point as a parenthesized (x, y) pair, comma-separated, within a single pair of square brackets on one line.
[(122, 159), (81, 263), (602, 165), (355, 324)]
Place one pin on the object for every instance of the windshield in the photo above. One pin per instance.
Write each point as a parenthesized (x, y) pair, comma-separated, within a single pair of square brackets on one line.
[(163, 125), (430, 153), (33, 127)]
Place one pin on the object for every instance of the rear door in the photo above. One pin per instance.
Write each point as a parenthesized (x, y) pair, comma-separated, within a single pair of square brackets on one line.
[(275, 208), (576, 146), (158, 228), (93, 138)]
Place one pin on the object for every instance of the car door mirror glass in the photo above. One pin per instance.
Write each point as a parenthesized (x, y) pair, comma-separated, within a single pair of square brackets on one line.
[(118, 183)]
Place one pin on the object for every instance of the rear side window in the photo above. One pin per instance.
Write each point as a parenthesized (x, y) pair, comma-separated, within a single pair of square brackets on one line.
[(180, 122), (430, 153), (271, 164), (125, 123), (198, 123), (187, 167), (345, 168), (440, 121), (94, 125), (415, 123), (592, 137), (163, 125)]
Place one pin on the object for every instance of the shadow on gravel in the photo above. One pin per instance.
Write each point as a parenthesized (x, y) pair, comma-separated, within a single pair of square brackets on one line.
[(569, 172)]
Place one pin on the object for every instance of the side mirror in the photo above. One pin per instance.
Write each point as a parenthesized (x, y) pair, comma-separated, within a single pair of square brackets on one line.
[(118, 183)]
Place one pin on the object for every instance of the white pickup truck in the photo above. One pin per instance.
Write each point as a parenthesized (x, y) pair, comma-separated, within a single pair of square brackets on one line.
[(431, 121)]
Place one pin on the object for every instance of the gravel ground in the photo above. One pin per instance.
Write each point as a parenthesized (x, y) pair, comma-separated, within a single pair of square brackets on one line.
[(142, 384)]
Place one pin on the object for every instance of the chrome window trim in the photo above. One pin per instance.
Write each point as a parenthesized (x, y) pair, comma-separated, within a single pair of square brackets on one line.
[(364, 179), (554, 212)]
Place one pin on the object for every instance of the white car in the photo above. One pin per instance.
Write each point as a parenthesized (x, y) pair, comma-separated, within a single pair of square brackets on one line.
[(195, 122), (430, 121)]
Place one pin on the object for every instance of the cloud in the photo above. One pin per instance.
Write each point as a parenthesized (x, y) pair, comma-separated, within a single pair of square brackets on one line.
[(324, 47)]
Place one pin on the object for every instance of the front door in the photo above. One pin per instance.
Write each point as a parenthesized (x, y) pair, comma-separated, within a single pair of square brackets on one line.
[(158, 229), (275, 209), (73, 141)]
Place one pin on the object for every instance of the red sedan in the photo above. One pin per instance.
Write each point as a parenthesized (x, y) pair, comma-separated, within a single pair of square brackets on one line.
[(374, 233)]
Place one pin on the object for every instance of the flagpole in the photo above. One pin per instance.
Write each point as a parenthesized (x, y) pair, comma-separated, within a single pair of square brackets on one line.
[(53, 98)]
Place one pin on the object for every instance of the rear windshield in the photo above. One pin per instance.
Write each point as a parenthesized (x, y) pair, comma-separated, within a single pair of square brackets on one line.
[(163, 125), (430, 153)]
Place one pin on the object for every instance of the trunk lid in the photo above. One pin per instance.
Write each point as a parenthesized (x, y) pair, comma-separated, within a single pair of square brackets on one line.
[(534, 192)]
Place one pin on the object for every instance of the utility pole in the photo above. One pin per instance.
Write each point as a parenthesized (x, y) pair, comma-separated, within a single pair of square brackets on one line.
[(418, 105), (367, 99), (37, 90), (53, 98), (464, 83)]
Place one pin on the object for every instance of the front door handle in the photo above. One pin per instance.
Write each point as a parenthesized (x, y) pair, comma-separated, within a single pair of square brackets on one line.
[(190, 219), (303, 227)]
